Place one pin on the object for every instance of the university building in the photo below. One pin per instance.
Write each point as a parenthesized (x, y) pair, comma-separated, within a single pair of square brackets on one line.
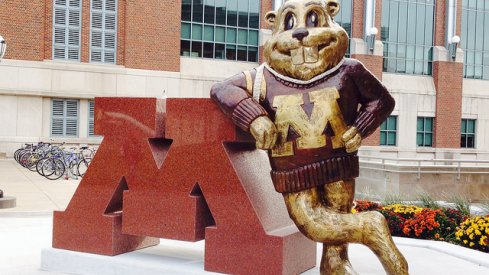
[(433, 55)]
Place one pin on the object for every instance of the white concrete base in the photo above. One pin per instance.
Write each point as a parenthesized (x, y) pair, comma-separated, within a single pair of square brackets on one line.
[(170, 257), (174, 257), (7, 202)]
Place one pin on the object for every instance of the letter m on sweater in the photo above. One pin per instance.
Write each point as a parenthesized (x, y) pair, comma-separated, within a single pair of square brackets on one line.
[(311, 129)]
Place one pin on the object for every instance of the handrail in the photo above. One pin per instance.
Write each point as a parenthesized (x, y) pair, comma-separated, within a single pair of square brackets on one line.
[(425, 160), (417, 163)]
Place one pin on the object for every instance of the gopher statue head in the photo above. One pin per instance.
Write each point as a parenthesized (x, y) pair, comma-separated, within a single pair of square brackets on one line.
[(306, 41)]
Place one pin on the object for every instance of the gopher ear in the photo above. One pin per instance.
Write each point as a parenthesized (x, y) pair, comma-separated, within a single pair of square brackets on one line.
[(270, 18), (333, 7)]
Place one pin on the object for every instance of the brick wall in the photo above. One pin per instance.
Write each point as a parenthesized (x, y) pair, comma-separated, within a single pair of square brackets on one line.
[(152, 30), (440, 11), (48, 29), (85, 33), (121, 32), (266, 6), (22, 27), (357, 19), (448, 80)]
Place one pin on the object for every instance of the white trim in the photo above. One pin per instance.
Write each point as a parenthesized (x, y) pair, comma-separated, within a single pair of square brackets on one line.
[(258, 82)]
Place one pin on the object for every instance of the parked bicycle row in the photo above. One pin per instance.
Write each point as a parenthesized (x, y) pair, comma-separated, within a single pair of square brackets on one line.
[(55, 160)]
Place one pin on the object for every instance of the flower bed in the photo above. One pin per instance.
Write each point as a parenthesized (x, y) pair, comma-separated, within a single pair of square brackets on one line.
[(474, 233), (443, 224)]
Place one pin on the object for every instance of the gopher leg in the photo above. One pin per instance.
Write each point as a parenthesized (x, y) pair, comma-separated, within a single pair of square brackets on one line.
[(334, 260), (318, 219), (338, 196)]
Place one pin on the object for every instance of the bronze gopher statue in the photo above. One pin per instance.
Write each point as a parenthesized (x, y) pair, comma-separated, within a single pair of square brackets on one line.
[(310, 108)]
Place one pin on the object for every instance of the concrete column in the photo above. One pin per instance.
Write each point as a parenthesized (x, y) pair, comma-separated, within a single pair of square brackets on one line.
[(83, 119)]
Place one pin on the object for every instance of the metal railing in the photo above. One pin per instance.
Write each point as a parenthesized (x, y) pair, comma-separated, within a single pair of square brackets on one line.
[(425, 166)]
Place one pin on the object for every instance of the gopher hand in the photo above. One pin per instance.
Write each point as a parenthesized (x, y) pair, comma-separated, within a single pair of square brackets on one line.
[(352, 140), (264, 132)]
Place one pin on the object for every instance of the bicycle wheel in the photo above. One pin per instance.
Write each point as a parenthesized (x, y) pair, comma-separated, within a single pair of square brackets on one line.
[(53, 169), (24, 157), (17, 153), (32, 162), (39, 166), (83, 166)]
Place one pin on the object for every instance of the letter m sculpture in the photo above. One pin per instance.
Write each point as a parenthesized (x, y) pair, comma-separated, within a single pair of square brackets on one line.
[(178, 169)]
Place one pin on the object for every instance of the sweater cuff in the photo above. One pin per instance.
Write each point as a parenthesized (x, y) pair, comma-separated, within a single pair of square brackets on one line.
[(364, 123), (247, 111)]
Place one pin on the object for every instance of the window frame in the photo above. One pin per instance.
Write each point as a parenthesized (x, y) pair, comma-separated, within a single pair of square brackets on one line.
[(387, 131), (424, 132), (475, 40), (418, 55), (67, 8), (466, 120), (252, 50), (103, 49), (65, 118)]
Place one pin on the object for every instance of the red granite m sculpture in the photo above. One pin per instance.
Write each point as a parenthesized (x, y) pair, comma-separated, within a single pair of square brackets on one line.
[(179, 169)]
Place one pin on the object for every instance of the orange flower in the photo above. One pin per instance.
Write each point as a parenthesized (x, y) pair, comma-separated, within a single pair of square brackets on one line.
[(406, 230)]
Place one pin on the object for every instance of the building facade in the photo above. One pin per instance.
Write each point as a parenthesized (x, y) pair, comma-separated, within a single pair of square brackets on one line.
[(63, 53)]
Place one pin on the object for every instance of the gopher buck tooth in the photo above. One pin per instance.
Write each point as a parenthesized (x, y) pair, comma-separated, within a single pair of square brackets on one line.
[(297, 56), (311, 54), (303, 55)]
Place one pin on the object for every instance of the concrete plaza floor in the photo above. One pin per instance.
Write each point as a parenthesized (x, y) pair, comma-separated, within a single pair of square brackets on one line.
[(26, 232)]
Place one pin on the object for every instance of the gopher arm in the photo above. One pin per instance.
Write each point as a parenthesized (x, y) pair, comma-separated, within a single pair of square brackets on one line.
[(376, 102), (234, 98)]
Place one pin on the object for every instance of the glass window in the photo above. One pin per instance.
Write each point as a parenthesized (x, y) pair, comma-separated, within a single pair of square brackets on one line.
[(468, 133), (67, 29), (388, 132), (407, 33), (64, 117), (424, 132), (475, 38), (209, 12), (103, 31), (230, 30), (343, 18), (186, 10), (197, 11)]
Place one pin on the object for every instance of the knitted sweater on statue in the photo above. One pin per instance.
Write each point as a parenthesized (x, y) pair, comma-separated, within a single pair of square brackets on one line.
[(311, 117)]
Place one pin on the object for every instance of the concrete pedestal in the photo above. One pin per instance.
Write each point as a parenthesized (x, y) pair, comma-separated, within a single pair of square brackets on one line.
[(8, 202)]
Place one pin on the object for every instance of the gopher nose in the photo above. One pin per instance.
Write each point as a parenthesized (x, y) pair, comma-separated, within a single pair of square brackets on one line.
[(300, 33)]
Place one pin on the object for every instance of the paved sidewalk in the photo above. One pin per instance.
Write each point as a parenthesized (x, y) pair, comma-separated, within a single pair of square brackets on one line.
[(35, 194), (27, 229)]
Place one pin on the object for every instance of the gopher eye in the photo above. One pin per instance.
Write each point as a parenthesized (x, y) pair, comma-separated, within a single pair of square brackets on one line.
[(289, 21), (312, 19)]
